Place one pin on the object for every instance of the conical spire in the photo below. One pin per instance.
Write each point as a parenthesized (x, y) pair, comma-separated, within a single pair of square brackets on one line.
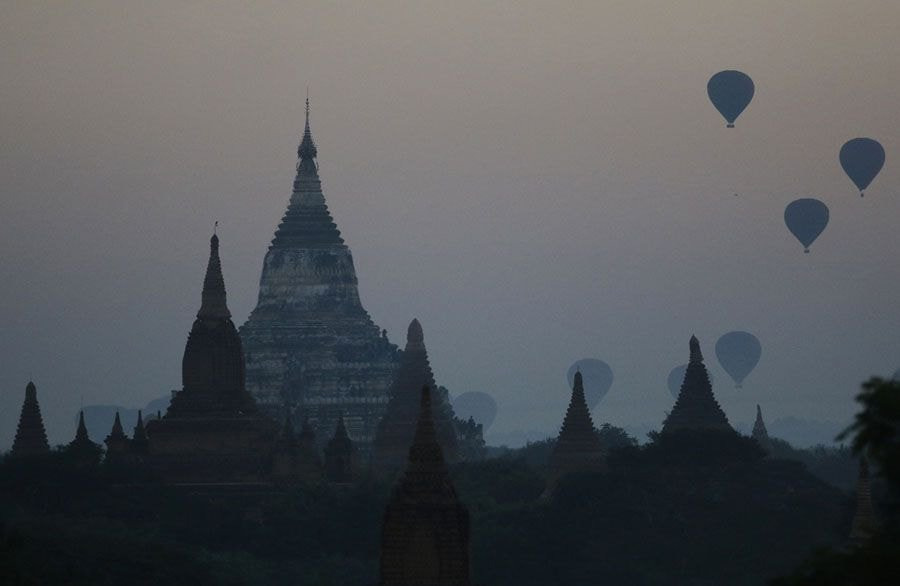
[(139, 440), (307, 149), (759, 430), (31, 437), (415, 337), (696, 407), (426, 459), (81, 433), (578, 447), (82, 449), (865, 522), (117, 432), (214, 305)]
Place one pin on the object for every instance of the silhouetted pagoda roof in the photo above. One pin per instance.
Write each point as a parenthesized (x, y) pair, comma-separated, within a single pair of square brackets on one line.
[(397, 428), (425, 535), (82, 447), (865, 521), (139, 438), (307, 222), (117, 432), (759, 430), (31, 437), (212, 370), (696, 407), (577, 446)]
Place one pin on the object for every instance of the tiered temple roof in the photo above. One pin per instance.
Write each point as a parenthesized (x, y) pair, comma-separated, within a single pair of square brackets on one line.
[(31, 437), (312, 349), (82, 449), (397, 428), (117, 442), (865, 521), (696, 407), (759, 431), (425, 534), (578, 446)]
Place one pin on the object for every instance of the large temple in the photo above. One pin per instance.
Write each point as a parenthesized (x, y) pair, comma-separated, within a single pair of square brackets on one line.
[(425, 534), (312, 350), (696, 408), (397, 428), (212, 430)]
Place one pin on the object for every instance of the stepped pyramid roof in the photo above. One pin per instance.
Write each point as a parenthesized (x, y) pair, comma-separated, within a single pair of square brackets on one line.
[(577, 447), (696, 407), (31, 437)]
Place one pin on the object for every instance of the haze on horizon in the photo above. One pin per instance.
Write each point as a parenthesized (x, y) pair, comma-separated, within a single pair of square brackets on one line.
[(535, 183)]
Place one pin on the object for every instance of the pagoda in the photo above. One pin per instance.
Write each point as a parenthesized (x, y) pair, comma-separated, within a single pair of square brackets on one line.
[(31, 438), (117, 443), (397, 428), (81, 450), (312, 349), (425, 533), (212, 430), (865, 522), (759, 431), (696, 408), (578, 446)]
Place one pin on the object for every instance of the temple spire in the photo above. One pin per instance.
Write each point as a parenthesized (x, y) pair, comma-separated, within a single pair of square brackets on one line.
[(578, 447), (214, 305), (696, 407), (31, 437), (307, 149), (760, 434)]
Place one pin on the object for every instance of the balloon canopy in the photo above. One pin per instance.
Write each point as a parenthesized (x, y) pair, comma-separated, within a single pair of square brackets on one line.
[(738, 354), (597, 377), (862, 159), (676, 377), (730, 92), (806, 219), (479, 406)]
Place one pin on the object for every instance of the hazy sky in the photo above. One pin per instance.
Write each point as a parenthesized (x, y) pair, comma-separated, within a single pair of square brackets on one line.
[(537, 182)]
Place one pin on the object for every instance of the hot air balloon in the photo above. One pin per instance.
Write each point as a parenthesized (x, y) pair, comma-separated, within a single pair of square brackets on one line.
[(738, 353), (862, 159), (730, 92), (676, 377), (806, 218), (479, 406), (597, 377)]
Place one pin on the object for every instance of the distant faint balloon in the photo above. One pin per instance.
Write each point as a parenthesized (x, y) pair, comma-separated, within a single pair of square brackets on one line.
[(730, 92), (738, 353), (597, 377), (479, 406), (676, 377), (862, 159), (806, 218)]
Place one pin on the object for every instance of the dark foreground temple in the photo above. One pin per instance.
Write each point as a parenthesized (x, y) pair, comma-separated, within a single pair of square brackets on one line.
[(696, 407), (312, 349), (212, 430), (425, 536)]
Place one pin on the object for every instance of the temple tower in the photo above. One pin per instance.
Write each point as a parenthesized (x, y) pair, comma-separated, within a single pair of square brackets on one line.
[(578, 446), (312, 349), (82, 450), (759, 431), (397, 428), (117, 443), (139, 441), (696, 407), (425, 534), (31, 438), (212, 430), (865, 522)]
